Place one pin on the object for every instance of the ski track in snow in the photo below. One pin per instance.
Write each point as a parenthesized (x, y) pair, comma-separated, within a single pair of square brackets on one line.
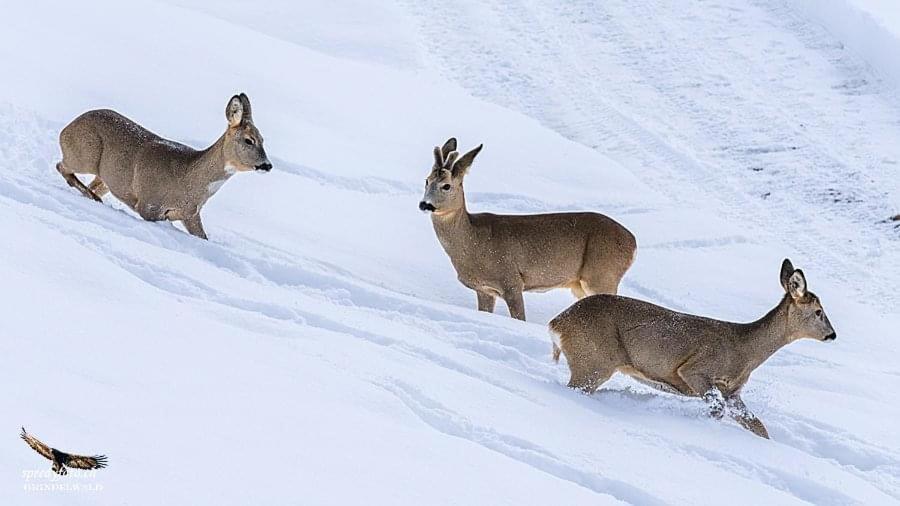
[(446, 421)]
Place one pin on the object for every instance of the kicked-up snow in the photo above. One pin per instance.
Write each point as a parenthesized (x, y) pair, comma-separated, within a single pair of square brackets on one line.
[(319, 349)]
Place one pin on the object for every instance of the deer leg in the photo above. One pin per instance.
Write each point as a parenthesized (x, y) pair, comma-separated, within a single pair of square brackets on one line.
[(601, 283), (98, 187), (593, 355), (738, 411), (194, 226), (579, 293), (515, 302), (716, 402), (556, 352), (73, 181), (486, 302), (130, 200), (150, 212), (703, 386), (577, 290), (589, 381)]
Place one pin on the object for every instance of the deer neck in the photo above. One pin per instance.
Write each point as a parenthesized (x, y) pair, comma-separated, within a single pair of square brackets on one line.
[(767, 335), (455, 232), (210, 170)]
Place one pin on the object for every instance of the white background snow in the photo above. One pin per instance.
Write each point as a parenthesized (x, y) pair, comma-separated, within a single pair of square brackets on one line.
[(319, 350)]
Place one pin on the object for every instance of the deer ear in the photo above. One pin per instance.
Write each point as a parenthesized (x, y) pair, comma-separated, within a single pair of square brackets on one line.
[(461, 167), (787, 268), (234, 111), (248, 111), (449, 146), (797, 284), (451, 159), (438, 158)]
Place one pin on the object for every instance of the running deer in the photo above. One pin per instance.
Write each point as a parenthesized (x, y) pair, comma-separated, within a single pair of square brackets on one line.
[(158, 178), (681, 353), (504, 255)]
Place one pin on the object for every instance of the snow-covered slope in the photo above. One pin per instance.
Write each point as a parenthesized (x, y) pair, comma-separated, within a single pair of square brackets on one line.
[(319, 350)]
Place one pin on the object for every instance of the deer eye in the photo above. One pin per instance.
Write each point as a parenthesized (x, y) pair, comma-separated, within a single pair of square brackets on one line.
[(819, 313), (446, 187), (248, 141)]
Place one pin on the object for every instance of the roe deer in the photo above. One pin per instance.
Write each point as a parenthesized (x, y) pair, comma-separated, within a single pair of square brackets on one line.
[(504, 255), (681, 353), (158, 178)]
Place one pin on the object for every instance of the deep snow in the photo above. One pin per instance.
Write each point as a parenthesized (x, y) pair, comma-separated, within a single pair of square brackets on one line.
[(319, 350)]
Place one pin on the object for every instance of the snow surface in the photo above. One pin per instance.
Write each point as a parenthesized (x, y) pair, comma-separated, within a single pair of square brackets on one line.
[(319, 350), (871, 28)]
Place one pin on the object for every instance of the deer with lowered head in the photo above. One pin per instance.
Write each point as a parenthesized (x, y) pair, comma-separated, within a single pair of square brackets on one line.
[(505, 255), (158, 178), (682, 353)]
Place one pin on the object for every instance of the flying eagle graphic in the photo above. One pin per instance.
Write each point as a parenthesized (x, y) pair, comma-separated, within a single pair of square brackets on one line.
[(62, 459)]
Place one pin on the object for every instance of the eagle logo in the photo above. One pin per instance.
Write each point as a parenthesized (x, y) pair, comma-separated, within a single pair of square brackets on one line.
[(62, 459)]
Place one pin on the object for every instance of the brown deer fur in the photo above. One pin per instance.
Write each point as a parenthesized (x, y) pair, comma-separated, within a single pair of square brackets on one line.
[(158, 178), (504, 255), (682, 353)]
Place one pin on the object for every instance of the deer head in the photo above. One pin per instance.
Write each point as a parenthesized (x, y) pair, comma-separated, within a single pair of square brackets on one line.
[(805, 316), (444, 185), (243, 142)]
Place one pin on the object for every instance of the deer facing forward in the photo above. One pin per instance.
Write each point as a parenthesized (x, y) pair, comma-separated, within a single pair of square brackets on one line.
[(505, 255), (158, 178), (681, 353)]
